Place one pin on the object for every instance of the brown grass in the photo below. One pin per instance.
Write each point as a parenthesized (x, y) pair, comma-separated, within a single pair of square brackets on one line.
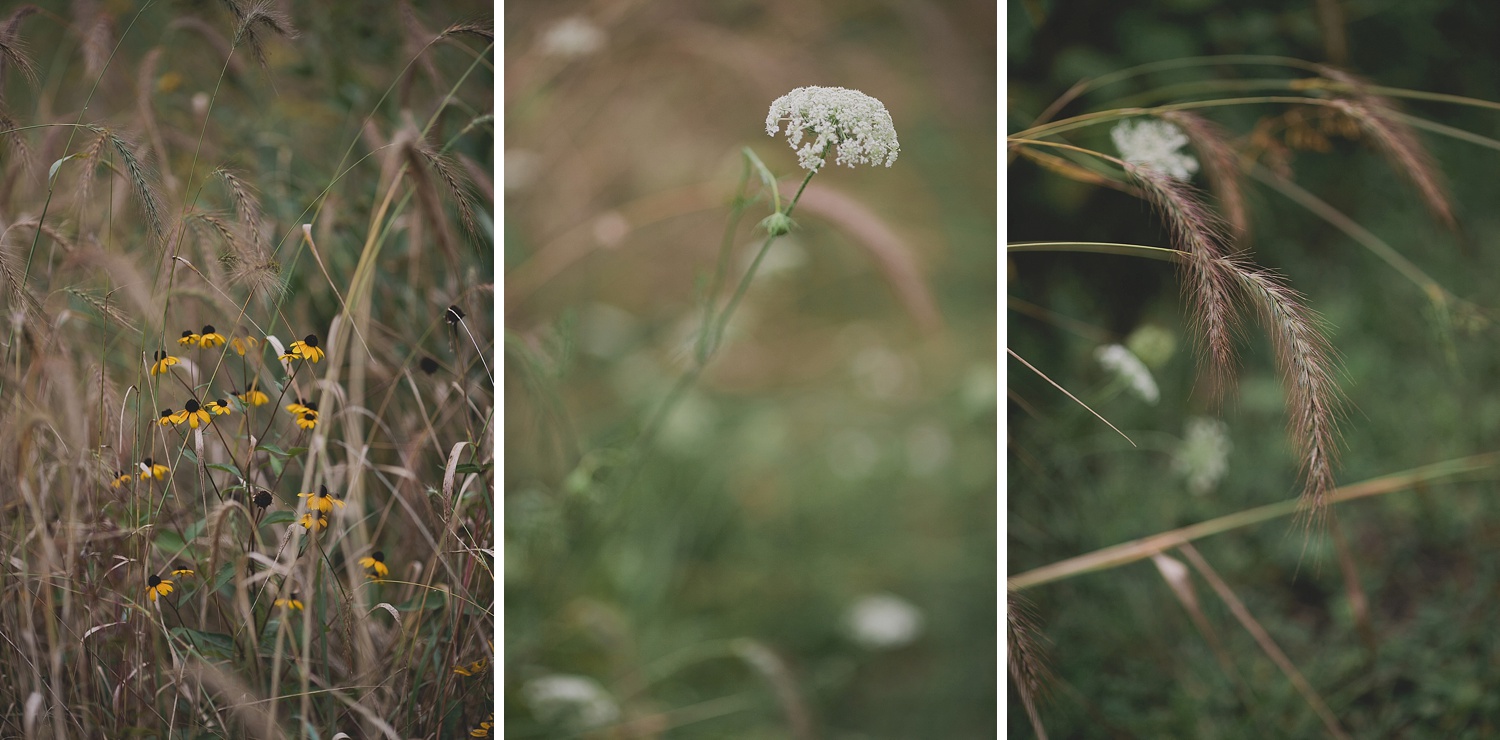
[(1024, 658), (1220, 166)]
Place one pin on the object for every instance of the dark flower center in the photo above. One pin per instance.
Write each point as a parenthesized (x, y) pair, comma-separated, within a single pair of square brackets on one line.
[(379, 556), (223, 403), (263, 499), (192, 406), (153, 581), (165, 413), (208, 329), (311, 407), (187, 332), (429, 365), (454, 314), (148, 462), (310, 340)]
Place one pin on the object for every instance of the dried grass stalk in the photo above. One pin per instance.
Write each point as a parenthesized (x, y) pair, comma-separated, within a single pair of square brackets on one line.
[(12, 51), (1220, 165)]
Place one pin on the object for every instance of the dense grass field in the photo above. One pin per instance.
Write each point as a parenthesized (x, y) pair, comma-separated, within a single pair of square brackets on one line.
[(246, 400)]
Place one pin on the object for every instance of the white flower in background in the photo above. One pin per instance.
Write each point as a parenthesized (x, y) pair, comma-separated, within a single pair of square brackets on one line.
[(574, 36), (575, 701), (883, 621), (1152, 143), (1203, 455), (1129, 368), (857, 124)]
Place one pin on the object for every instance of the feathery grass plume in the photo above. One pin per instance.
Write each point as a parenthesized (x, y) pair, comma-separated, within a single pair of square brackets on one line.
[(140, 180), (109, 311), (1220, 165), (145, 83), (260, 14), (1305, 360), (456, 184), (427, 193), (92, 23), (88, 161), (246, 205), (415, 39), (1198, 231), (1025, 658), (1396, 140), (12, 51), (485, 31)]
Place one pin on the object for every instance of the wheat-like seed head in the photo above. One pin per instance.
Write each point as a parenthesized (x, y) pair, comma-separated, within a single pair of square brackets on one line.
[(1220, 164), (1199, 232), (1397, 141), (1025, 659)]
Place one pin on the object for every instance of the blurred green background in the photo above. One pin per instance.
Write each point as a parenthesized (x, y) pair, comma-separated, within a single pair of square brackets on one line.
[(839, 451), (1419, 385)]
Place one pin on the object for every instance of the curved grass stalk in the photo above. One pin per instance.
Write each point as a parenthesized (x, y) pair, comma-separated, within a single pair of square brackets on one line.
[(1140, 549)]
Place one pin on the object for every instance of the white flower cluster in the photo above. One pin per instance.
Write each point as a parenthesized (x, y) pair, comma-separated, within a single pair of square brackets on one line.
[(883, 621), (578, 702), (1203, 456), (1154, 144), (1125, 365), (857, 124)]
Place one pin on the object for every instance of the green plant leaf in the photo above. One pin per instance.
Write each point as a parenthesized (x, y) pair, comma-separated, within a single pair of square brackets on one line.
[(208, 644)]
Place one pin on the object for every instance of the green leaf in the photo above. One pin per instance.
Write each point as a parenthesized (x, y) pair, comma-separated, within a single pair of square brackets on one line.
[(433, 601), (295, 451), (208, 644), (471, 468), (278, 517), (274, 450), (195, 529), (52, 171), (170, 542), (230, 469), (225, 575)]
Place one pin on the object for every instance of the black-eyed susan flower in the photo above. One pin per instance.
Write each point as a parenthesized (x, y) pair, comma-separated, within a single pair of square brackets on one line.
[(428, 365), (314, 521), (156, 586), (188, 339), (152, 469), (483, 730), (193, 414), (290, 602), (210, 338), (297, 407), (472, 669), (219, 407), (308, 420), (376, 563), (244, 344), (306, 348), (253, 396), (167, 418), (321, 501), (453, 315), (182, 572), (263, 499), (162, 362), (121, 478)]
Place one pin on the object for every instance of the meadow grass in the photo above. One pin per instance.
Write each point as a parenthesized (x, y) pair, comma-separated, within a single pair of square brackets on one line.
[(245, 405)]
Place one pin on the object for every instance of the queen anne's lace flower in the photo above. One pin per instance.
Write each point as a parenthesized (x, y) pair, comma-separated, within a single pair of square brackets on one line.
[(857, 124), (1152, 143), (1129, 368), (1203, 456)]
